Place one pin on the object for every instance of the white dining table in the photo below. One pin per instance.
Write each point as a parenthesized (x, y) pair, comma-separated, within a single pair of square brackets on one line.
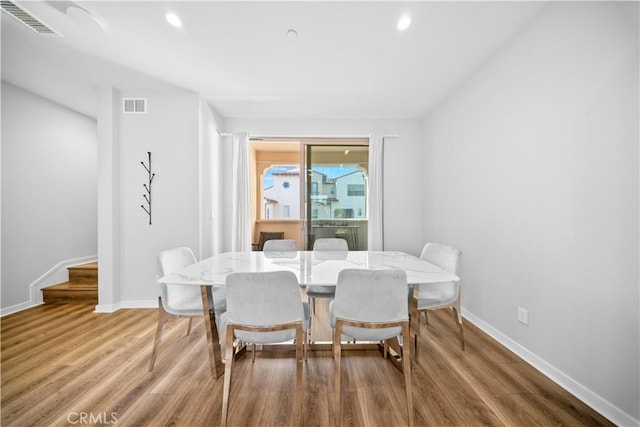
[(310, 268)]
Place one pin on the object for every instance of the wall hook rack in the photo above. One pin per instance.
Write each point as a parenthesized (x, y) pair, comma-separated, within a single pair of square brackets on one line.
[(147, 186)]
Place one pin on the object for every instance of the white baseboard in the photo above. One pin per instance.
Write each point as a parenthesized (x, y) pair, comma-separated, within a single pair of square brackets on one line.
[(110, 308), (107, 308), (18, 307), (56, 274), (599, 404), (152, 303)]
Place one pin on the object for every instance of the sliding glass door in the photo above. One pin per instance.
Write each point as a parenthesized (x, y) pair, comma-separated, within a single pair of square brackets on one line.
[(334, 196)]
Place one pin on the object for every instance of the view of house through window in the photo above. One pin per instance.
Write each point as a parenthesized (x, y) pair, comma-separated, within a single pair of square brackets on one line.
[(329, 199), (281, 192), (336, 192)]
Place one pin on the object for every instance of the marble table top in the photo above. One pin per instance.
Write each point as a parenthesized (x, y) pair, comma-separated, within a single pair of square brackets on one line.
[(319, 268)]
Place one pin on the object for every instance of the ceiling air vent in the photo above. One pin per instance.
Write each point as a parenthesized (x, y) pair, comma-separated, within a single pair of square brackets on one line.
[(134, 105), (26, 18)]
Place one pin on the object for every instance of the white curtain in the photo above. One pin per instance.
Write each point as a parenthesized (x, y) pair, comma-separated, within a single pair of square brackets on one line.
[(375, 234), (241, 211)]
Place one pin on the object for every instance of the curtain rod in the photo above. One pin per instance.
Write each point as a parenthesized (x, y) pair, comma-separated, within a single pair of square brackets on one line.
[(310, 137)]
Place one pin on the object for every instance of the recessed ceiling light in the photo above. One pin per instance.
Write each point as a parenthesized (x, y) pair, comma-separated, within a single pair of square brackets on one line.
[(292, 34), (173, 19), (404, 22)]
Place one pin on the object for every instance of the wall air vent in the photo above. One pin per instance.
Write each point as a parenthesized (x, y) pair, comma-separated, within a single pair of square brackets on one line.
[(134, 105), (19, 13)]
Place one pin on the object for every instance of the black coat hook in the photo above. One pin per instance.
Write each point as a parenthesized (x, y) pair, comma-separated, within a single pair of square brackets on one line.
[(147, 197)]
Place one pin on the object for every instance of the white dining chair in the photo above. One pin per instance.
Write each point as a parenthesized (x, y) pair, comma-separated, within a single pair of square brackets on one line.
[(181, 300), (434, 296), (265, 308), (326, 248), (330, 244), (282, 245), (383, 315), (266, 236)]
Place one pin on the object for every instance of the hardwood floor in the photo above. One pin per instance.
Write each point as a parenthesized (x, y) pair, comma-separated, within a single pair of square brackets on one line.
[(81, 288), (64, 365)]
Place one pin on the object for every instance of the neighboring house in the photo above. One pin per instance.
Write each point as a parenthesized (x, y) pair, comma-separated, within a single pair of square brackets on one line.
[(351, 192), (282, 199), (341, 197), (323, 195)]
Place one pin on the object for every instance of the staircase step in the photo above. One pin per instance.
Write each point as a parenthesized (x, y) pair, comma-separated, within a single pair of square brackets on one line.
[(71, 292), (85, 273)]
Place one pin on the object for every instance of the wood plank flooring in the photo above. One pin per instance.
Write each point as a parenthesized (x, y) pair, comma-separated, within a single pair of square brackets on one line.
[(63, 362)]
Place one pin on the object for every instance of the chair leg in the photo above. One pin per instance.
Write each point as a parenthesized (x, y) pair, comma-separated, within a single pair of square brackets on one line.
[(296, 420), (253, 351), (163, 318), (227, 375), (417, 333), (333, 347), (458, 319), (336, 375), (406, 367), (189, 327)]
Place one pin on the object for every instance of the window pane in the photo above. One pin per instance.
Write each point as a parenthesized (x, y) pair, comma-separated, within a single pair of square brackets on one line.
[(337, 193), (355, 190), (281, 192), (343, 213)]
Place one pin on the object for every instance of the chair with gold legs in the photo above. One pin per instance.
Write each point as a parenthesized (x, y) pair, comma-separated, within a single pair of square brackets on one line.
[(382, 315), (180, 300), (265, 308), (326, 248), (434, 296)]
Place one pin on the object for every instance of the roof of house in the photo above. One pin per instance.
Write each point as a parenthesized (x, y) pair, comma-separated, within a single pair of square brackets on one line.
[(288, 172), (347, 174)]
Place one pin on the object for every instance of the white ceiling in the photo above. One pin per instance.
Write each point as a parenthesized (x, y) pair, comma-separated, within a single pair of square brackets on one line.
[(349, 60)]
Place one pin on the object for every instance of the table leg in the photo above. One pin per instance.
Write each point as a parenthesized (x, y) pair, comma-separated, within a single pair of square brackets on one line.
[(211, 329)]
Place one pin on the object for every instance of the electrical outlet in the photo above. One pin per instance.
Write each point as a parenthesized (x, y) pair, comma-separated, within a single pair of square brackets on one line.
[(523, 315)]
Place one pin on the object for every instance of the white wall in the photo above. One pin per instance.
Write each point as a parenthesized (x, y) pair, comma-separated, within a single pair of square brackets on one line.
[(49, 201), (109, 200), (531, 169), (210, 181), (402, 166), (170, 131)]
